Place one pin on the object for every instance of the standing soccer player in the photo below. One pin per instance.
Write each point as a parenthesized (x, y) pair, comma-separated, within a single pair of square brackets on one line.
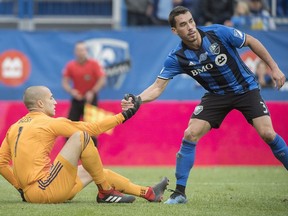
[(208, 54)]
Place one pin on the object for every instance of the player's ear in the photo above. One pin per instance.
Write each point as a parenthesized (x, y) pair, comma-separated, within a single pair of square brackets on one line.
[(40, 103), (174, 30)]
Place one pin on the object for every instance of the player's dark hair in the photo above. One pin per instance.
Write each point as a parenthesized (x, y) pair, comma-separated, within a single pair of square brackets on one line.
[(79, 42), (175, 12)]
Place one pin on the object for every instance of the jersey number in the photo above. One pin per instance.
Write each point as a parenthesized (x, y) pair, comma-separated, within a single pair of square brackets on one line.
[(264, 107), (18, 136)]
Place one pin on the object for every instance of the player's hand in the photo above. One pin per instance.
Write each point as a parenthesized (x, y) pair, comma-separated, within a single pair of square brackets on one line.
[(135, 101), (75, 94), (89, 96), (279, 78), (126, 103)]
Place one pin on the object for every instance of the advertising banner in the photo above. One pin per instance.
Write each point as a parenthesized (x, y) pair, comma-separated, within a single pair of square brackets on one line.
[(132, 59)]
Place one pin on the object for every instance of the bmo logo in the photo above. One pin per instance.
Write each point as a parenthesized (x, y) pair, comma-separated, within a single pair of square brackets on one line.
[(14, 68)]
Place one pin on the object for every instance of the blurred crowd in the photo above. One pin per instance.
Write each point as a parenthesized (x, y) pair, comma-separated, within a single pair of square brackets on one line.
[(253, 14)]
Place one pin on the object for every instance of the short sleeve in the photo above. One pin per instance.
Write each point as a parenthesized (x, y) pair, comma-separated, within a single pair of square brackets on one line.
[(66, 70), (170, 69), (234, 36), (98, 69)]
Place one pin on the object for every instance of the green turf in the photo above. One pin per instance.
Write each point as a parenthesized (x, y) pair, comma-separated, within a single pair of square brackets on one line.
[(223, 191)]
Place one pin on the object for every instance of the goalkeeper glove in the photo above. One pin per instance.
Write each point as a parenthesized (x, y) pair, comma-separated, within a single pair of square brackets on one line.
[(136, 100)]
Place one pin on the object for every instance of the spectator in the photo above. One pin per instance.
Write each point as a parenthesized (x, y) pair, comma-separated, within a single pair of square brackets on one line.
[(217, 12), (139, 12), (260, 16), (282, 8), (161, 10), (83, 78), (193, 5), (263, 75), (241, 17)]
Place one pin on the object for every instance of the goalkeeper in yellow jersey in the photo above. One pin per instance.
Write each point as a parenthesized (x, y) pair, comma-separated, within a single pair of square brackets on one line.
[(30, 140)]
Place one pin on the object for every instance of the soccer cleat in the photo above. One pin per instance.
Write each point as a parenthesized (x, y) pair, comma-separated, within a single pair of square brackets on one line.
[(155, 193), (177, 197), (113, 196)]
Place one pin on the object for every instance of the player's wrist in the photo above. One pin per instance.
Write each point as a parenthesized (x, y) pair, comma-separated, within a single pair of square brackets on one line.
[(140, 99)]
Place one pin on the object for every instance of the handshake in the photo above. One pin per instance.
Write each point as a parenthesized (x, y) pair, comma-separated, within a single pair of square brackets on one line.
[(130, 104)]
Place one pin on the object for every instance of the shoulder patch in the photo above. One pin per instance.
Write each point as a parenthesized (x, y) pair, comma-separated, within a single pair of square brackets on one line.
[(238, 33)]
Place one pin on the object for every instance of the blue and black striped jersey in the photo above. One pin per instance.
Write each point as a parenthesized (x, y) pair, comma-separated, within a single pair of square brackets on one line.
[(216, 65)]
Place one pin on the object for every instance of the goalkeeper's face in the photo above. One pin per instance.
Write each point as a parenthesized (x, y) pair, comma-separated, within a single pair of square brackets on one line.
[(39, 99), (49, 103)]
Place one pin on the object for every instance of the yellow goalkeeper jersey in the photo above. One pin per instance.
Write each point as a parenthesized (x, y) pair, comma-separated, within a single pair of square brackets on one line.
[(29, 141)]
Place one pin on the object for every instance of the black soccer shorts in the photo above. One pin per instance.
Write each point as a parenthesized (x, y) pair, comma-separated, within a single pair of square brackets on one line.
[(213, 108)]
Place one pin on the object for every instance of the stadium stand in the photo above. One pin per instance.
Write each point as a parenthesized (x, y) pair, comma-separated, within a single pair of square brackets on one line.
[(85, 14), (60, 14)]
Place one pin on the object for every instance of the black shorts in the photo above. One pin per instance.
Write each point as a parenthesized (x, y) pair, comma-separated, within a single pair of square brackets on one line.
[(213, 108)]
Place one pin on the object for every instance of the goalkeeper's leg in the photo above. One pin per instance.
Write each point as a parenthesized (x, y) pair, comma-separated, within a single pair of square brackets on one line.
[(122, 184), (81, 146)]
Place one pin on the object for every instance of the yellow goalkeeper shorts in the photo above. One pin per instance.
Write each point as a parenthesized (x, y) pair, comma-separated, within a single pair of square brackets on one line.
[(57, 186)]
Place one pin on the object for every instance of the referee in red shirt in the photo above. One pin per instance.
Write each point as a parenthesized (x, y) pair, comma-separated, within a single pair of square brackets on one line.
[(83, 78)]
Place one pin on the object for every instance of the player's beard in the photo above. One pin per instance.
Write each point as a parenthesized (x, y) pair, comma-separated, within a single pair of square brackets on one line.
[(192, 41), (192, 36)]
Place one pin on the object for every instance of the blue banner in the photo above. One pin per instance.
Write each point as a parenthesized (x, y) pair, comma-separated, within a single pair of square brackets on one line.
[(132, 59)]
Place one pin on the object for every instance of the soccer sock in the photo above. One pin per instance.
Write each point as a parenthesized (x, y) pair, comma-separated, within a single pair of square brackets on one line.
[(184, 163), (123, 184), (91, 161), (280, 150)]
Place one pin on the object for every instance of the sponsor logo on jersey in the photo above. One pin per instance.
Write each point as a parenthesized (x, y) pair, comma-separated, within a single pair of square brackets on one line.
[(204, 68), (114, 56), (14, 68), (87, 77), (198, 109), (191, 63), (221, 59), (203, 57), (214, 48), (238, 34)]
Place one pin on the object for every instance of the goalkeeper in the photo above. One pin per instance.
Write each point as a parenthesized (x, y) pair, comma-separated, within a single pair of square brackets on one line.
[(29, 142)]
